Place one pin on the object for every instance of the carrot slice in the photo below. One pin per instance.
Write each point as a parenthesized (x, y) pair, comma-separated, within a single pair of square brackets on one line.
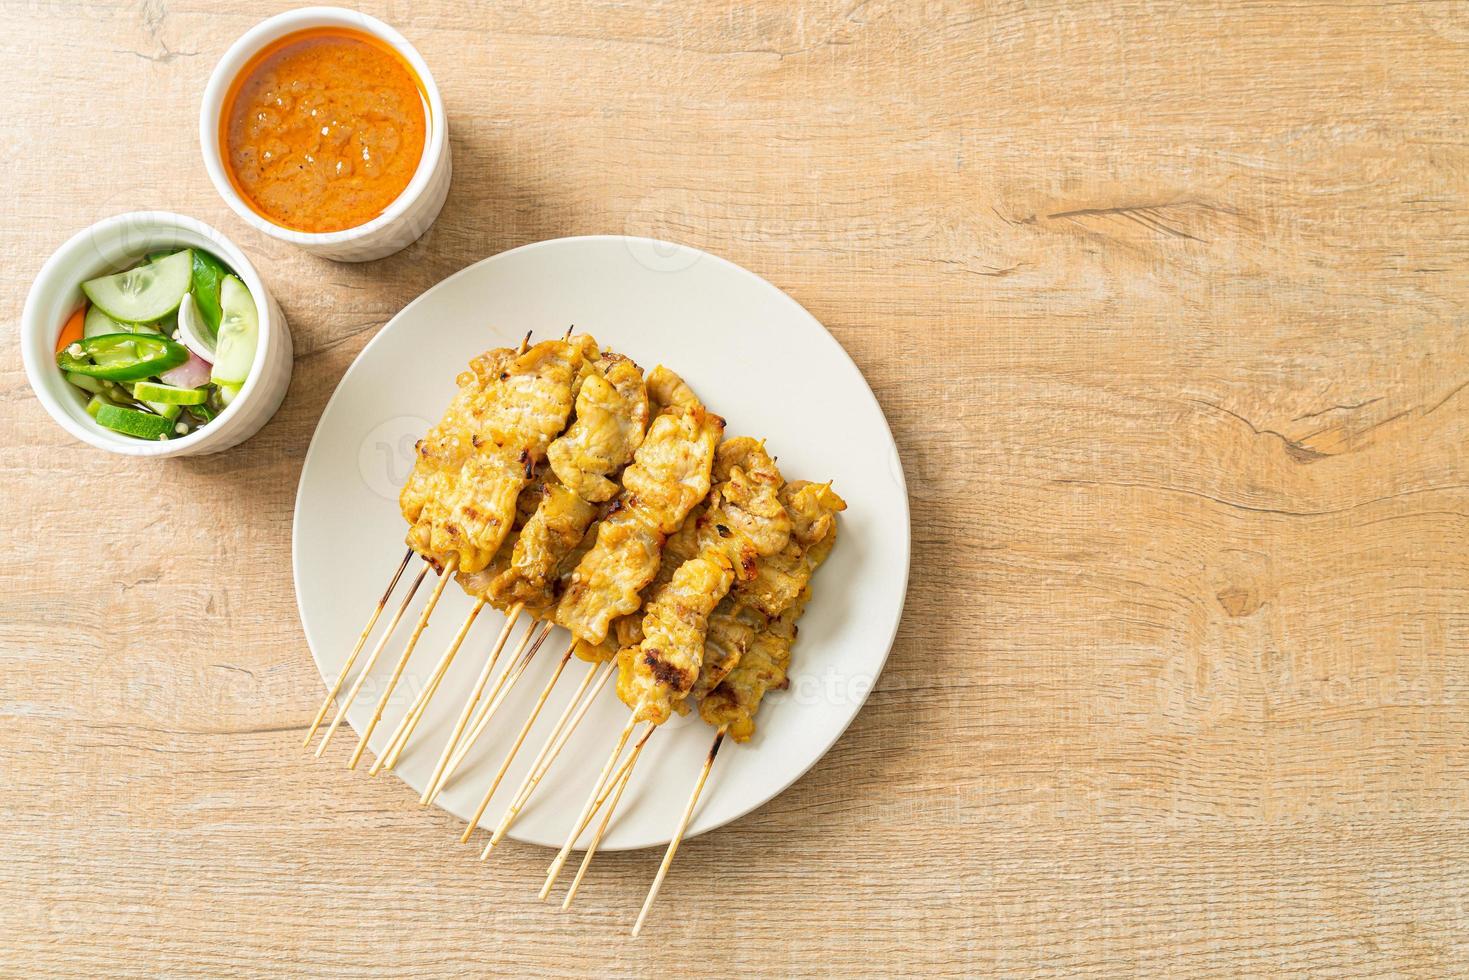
[(72, 331)]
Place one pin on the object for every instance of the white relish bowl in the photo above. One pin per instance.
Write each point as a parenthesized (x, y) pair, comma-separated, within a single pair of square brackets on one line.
[(411, 213), (109, 246)]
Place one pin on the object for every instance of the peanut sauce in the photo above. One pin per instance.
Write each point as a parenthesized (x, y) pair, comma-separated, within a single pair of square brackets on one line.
[(323, 129)]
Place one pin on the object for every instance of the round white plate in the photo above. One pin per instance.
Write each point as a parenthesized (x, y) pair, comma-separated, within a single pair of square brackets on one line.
[(755, 357)]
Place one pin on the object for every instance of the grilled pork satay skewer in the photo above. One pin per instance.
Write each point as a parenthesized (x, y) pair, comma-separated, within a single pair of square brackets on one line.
[(473, 585), (627, 631), (776, 584), (669, 393), (624, 631), (670, 473), (744, 521), (440, 454), (659, 490), (611, 423), (520, 411), (523, 408), (679, 548), (778, 581), (744, 526), (732, 703), (336, 687)]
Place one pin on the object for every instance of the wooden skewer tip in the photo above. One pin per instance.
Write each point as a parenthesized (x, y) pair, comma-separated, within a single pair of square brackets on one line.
[(683, 826), (620, 781), (560, 860)]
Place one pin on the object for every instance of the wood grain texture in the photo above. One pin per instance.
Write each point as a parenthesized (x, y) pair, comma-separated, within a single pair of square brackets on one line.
[(1166, 304)]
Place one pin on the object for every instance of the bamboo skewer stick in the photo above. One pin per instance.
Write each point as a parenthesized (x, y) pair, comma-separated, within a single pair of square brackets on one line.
[(615, 785), (432, 793), (560, 861), (399, 740), (683, 826), (456, 751), (409, 722), (620, 781), (512, 616), (511, 673), (618, 777), (371, 661), (397, 751), (382, 701), (500, 693), (352, 658), (554, 744)]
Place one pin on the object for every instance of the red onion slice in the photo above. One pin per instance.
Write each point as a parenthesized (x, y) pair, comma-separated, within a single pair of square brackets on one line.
[(191, 374)]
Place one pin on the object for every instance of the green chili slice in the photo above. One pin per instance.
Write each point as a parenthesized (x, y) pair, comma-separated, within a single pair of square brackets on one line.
[(121, 356)]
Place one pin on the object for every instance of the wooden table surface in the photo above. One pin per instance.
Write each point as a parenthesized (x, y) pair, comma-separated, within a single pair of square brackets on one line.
[(1166, 304)]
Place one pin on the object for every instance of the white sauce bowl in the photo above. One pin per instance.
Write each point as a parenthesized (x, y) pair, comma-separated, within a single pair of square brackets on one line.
[(110, 246), (410, 214)]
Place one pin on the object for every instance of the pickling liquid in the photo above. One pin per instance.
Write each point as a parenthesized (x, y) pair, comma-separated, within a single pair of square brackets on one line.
[(323, 129)]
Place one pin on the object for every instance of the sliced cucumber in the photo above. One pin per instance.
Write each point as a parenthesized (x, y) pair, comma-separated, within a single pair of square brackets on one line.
[(239, 330), (148, 292), (97, 323), (208, 274), (95, 405), (110, 390), (227, 394), (86, 382), (154, 392), (130, 421), (169, 412)]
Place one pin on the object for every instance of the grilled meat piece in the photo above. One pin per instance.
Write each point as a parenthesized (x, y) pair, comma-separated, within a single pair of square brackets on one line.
[(519, 417), (611, 421), (669, 474), (554, 529), (765, 662), (744, 522)]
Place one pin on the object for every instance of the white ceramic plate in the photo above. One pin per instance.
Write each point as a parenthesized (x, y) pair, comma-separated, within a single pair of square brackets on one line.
[(758, 359)]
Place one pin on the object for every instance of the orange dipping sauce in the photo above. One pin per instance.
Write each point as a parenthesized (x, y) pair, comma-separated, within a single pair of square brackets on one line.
[(323, 129)]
